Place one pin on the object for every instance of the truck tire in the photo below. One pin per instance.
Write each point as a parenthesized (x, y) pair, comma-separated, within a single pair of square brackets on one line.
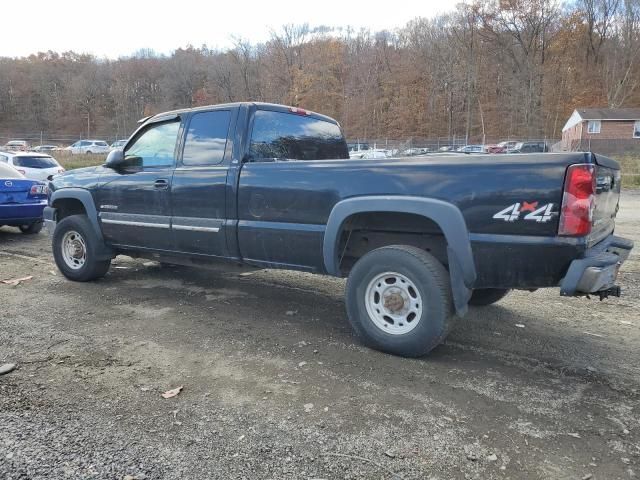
[(399, 300), (75, 244), (486, 296), (32, 228)]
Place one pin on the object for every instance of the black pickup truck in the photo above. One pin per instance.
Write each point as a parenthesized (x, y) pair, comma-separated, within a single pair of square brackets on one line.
[(419, 238)]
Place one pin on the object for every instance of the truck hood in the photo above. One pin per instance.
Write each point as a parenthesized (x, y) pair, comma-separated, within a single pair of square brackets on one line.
[(86, 177)]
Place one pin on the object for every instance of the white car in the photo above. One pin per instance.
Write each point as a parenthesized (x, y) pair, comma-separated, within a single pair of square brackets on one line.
[(375, 154), (34, 166), (118, 144), (16, 146), (89, 146)]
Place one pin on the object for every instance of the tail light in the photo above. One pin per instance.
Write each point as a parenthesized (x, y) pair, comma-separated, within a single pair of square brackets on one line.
[(38, 190), (578, 200)]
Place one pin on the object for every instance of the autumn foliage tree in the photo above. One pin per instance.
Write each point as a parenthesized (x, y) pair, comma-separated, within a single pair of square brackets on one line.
[(487, 70)]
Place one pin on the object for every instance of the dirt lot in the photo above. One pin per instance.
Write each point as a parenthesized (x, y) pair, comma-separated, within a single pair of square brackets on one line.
[(276, 387)]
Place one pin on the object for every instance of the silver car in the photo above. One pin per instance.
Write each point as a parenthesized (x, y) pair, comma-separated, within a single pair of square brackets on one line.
[(89, 146)]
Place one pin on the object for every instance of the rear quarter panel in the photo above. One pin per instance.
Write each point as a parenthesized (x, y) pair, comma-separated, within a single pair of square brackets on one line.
[(283, 206)]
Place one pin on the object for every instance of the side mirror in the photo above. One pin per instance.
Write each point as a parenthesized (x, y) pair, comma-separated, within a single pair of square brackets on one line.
[(117, 161), (114, 159)]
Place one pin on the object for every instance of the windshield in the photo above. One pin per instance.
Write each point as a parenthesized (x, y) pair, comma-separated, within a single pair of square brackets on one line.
[(34, 162)]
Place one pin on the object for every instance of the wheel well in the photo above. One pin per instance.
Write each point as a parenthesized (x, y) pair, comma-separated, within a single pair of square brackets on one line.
[(68, 206), (362, 232)]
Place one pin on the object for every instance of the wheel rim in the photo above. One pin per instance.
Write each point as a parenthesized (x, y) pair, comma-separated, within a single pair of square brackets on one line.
[(394, 303), (74, 250)]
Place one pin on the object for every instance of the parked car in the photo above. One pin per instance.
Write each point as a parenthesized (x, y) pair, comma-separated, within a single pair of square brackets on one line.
[(529, 147), (374, 154), (357, 147), (117, 144), (16, 146), (89, 147), (471, 149), (21, 200), (508, 144), (33, 165), (410, 152), (46, 148), (418, 238), (495, 149)]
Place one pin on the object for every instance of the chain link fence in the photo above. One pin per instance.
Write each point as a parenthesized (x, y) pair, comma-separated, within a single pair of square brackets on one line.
[(48, 138)]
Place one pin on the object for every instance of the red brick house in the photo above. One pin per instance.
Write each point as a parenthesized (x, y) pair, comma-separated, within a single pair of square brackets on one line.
[(607, 130)]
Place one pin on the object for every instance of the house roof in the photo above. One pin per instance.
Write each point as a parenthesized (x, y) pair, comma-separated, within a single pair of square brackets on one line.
[(582, 114), (609, 113)]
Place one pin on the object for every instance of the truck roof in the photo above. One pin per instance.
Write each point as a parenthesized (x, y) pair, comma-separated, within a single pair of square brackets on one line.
[(270, 106)]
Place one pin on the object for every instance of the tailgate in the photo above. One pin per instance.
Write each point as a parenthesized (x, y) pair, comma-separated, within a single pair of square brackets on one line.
[(607, 196)]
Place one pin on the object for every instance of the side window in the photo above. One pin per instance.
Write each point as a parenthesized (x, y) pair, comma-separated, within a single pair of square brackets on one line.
[(206, 138), (155, 145), (4, 159), (636, 129), (295, 137)]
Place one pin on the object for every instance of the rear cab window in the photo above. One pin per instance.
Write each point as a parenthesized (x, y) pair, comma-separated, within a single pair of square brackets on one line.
[(291, 136)]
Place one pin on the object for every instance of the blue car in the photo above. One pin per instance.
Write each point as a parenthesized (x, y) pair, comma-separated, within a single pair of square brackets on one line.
[(21, 200)]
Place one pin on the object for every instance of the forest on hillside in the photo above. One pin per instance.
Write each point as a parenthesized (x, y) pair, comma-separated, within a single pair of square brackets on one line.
[(489, 68)]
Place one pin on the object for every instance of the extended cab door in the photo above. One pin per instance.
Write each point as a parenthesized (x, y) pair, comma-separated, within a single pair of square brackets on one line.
[(199, 184), (134, 203), (286, 188)]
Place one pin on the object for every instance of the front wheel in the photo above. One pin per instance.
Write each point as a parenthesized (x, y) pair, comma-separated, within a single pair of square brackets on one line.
[(399, 300), (32, 228), (75, 244)]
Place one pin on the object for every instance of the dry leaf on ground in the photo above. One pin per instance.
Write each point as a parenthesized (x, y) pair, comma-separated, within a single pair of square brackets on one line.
[(172, 393), (17, 281)]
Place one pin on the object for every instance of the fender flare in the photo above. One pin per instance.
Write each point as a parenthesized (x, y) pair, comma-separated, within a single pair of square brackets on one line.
[(446, 215), (84, 197)]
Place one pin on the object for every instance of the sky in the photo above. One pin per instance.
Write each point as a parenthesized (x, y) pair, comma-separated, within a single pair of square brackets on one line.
[(115, 28)]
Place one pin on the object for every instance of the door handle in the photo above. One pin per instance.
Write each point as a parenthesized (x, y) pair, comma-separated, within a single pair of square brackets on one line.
[(161, 184)]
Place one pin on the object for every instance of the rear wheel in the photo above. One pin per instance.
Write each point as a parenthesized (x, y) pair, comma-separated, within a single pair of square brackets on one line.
[(399, 300), (32, 228), (486, 296), (75, 244)]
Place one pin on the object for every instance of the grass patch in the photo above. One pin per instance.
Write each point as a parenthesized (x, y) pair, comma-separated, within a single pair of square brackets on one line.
[(70, 162), (630, 165)]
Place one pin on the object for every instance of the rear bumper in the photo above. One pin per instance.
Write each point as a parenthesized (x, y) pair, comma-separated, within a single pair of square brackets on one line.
[(21, 214), (597, 270)]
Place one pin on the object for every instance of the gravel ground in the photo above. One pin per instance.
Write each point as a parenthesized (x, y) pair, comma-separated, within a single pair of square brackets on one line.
[(275, 386)]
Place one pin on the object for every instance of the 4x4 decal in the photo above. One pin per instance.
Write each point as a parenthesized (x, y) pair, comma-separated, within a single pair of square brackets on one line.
[(538, 214)]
